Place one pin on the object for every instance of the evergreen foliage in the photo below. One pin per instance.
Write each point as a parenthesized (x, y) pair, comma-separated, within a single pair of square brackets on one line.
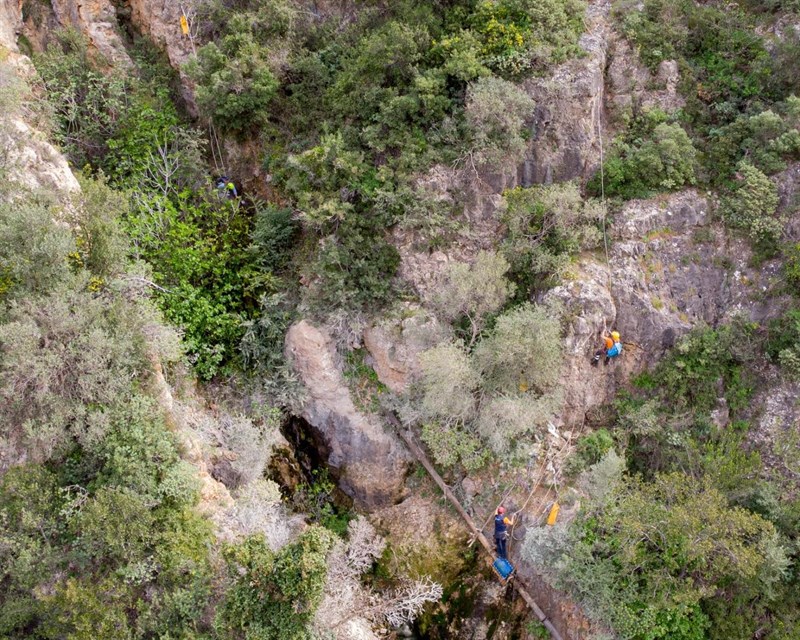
[(546, 226)]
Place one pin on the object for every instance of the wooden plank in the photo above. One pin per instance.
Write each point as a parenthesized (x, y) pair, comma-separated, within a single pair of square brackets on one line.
[(516, 581)]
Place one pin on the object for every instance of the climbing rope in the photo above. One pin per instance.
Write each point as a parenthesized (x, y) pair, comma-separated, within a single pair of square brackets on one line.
[(604, 206), (603, 196), (216, 150), (556, 480)]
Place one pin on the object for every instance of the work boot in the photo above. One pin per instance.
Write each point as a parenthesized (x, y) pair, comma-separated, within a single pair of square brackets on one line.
[(606, 361)]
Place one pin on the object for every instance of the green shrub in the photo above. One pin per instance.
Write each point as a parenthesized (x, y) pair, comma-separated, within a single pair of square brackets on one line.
[(645, 562), (690, 376), (275, 232), (235, 84), (138, 454), (592, 447), (518, 36), (653, 156), (752, 206), (84, 609), (453, 444), (355, 268), (263, 341), (210, 281), (88, 104), (114, 526), (783, 341), (64, 357), (275, 595), (33, 251), (767, 139), (325, 181), (546, 225), (102, 245)]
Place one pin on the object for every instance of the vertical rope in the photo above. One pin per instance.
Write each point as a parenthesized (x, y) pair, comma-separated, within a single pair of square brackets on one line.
[(604, 206), (603, 194)]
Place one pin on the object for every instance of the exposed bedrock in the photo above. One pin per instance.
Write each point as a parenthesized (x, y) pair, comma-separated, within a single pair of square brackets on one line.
[(369, 463)]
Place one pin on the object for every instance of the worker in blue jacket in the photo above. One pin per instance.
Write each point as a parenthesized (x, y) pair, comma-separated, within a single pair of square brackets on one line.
[(501, 524)]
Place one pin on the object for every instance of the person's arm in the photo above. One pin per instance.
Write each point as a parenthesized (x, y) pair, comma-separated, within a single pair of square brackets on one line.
[(507, 521)]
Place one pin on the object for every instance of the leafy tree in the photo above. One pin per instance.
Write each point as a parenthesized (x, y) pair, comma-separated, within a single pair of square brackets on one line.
[(522, 352), (495, 112), (448, 381), (473, 290), (275, 596), (208, 278), (752, 206), (506, 419)]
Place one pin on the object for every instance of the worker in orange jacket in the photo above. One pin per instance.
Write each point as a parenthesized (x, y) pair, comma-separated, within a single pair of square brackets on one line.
[(612, 347)]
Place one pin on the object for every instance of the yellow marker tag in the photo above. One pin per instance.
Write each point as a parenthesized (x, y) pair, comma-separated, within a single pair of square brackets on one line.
[(551, 519), (523, 385), (184, 25)]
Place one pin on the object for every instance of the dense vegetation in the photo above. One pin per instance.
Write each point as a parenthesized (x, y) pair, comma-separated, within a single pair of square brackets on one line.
[(691, 535), (686, 533)]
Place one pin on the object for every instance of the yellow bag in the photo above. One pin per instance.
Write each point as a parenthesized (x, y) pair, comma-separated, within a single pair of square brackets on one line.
[(551, 519)]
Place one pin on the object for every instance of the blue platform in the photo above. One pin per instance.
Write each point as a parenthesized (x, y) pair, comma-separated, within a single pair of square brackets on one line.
[(503, 569)]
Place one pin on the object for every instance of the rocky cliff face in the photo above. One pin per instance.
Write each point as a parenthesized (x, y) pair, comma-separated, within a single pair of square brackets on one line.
[(565, 128), (25, 154), (10, 22), (669, 270), (97, 20), (369, 463), (160, 20)]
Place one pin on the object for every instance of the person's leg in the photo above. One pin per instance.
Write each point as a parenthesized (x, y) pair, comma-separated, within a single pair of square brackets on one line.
[(501, 548)]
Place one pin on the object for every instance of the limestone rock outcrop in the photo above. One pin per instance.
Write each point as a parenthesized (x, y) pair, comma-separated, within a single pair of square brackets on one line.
[(10, 23), (369, 463), (26, 155), (34, 162), (395, 345), (160, 20), (97, 20), (631, 86)]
